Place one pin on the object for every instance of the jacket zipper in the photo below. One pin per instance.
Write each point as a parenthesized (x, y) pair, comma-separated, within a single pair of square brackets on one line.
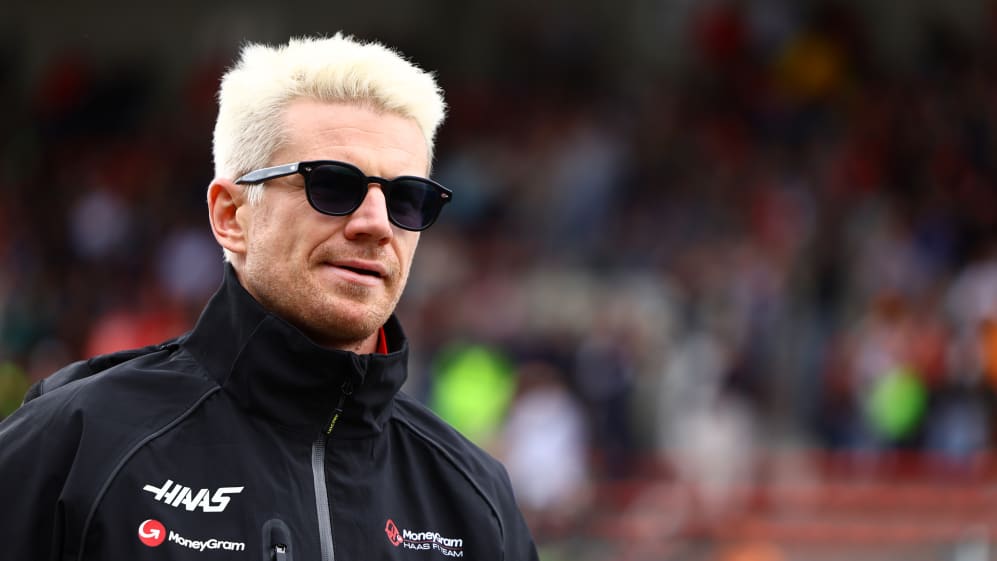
[(318, 475)]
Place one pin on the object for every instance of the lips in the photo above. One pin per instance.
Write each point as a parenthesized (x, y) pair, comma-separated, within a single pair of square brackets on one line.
[(364, 268), (367, 272)]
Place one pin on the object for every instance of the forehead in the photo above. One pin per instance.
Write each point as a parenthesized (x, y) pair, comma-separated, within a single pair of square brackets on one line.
[(378, 142)]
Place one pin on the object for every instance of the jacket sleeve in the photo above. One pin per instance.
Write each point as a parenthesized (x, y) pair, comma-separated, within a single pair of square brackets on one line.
[(519, 544), (37, 447)]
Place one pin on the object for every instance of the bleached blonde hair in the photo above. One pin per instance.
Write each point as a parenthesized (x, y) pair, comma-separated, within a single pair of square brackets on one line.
[(265, 79)]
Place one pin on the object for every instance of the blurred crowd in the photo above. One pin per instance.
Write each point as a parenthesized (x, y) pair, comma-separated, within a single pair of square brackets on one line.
[(781, 244)]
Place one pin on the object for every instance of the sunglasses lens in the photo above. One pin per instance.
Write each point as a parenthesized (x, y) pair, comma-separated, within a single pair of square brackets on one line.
[(414, 204), (336, 190)]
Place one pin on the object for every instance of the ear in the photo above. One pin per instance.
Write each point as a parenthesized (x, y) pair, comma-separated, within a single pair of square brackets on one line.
[(225, 198)]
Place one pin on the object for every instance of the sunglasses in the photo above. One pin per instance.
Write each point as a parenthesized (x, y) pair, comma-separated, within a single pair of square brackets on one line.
[(338, 189)]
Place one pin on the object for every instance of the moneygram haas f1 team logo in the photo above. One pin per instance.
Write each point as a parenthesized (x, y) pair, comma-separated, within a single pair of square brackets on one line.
[(152, 533), (426, 541)]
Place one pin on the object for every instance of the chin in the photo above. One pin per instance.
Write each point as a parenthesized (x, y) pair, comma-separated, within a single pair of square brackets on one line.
[(347, 322)]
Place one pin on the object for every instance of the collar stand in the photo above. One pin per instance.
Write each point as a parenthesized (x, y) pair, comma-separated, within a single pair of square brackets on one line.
[(274, 370)]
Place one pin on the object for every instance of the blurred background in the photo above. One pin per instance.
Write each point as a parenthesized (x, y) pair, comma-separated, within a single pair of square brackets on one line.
[(719, 281)]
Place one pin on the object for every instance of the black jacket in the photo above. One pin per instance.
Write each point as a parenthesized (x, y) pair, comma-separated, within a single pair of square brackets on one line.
[(218, 446)]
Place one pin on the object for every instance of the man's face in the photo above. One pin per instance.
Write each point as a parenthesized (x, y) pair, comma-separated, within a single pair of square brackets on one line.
[(337, 278)]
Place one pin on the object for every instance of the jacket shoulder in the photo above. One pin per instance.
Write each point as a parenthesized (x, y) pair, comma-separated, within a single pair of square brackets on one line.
[(85, 368), (130, 389), (66, 443), (485, 473), (440, 434)]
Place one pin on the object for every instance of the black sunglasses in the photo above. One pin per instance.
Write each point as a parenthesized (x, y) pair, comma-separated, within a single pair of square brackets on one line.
[(338, 189)]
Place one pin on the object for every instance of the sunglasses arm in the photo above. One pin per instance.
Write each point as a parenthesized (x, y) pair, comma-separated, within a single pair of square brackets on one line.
[(261, 175)]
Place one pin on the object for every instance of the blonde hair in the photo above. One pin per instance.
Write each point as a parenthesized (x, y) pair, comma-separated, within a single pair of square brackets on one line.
[(265, 79)]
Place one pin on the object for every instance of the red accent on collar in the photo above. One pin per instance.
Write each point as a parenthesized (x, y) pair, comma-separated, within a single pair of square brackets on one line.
[(382, 342)]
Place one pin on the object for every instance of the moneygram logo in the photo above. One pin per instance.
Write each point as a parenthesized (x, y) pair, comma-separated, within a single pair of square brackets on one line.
[(425, 541), (210, 544), (152, 533)]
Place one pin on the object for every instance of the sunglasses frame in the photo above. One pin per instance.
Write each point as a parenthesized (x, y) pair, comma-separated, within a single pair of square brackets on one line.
[(387, 185)]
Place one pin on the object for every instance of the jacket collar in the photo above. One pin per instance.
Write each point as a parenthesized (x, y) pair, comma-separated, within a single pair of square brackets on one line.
[(274, 370)]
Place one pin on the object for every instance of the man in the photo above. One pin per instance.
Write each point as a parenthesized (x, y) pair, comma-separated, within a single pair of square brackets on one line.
[(275, 429)]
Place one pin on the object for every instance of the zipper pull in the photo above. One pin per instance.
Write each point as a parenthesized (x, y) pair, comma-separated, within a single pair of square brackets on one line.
[(346, 390), (277, 544)]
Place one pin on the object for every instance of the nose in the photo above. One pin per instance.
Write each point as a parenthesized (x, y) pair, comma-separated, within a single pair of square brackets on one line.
[(370, 221)]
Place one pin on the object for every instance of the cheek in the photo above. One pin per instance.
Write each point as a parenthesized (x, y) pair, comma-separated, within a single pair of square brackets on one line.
[(259, 228), (406, 251), (279, 229)]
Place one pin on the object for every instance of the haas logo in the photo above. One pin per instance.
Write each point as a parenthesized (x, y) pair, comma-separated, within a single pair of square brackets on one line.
[(207, 500), (394, 536), (151, 532)]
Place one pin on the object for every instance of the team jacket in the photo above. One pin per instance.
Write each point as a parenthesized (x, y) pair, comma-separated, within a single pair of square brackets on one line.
[(245, 440)]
